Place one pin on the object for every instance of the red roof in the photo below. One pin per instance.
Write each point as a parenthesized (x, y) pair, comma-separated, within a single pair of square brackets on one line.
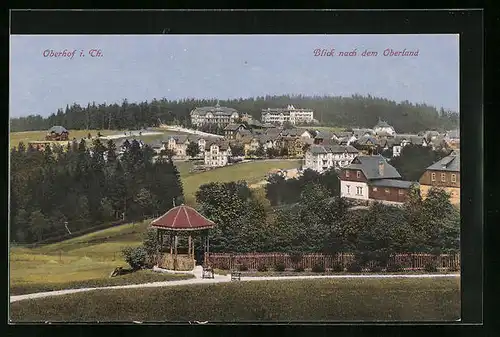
[(182, 218)]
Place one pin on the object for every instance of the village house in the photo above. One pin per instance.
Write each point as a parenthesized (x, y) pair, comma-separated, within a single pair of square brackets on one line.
[(372, 178), (452, 139), (398, 142), (321, 158), (179, 143), (358, 133), (295, 146), (323, 137), (217, 153), (57, 133), (368, 143), (231, 130), (289, 114), (383, 128), (443, 174), (217, 115)]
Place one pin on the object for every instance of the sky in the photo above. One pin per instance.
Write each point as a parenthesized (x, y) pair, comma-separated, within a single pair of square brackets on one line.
[(141, 68)]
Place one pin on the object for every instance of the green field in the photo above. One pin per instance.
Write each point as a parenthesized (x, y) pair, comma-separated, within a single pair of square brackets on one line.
[(88, 257), (283, 300), (252, 172), (30, 136)]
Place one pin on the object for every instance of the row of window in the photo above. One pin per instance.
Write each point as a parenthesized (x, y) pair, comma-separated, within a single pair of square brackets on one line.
[(359, 190), (358, 174), (443, 177)]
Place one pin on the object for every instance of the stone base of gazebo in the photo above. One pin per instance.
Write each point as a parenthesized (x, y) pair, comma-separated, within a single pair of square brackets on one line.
[(184, 262)]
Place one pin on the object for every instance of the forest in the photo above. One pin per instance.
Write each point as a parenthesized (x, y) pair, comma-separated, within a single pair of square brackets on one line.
[(349, 112), (76, 187)]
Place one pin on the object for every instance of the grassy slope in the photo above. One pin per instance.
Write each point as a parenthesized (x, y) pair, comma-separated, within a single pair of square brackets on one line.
[(28, 136), (252, 172), (340, 299)]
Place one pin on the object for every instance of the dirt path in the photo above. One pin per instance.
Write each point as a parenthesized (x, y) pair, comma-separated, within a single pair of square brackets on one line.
[(217, 279)]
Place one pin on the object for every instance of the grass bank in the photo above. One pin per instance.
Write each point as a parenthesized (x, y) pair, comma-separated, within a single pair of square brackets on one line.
[(284, 300), (138, 277), (31, 136), (252, 172)]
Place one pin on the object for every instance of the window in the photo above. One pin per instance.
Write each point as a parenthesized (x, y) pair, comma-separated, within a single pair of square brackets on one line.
[(359, 190), (348, 189), (433, 176), (358, 174), (347, 175), (374, 189), (400, 192), (453, 178), (387, 190), (443, 177)]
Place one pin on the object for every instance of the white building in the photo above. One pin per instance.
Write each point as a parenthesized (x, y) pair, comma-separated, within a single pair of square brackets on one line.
[(382, 128), (323, 157), (221, 116), (217, 153), (289, 114)]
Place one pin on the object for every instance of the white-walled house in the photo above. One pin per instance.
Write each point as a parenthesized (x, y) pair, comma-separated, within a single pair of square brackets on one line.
[(217, 153), (383, 128), (320, 158)]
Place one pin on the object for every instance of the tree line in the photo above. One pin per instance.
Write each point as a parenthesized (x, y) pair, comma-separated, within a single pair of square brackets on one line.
[(322, 223), (354, 111), (84, 185)]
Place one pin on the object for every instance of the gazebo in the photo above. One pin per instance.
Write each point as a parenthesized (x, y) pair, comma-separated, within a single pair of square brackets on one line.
[(182, 221)]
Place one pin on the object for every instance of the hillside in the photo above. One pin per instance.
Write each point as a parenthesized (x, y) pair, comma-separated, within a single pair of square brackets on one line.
[(354, 111)]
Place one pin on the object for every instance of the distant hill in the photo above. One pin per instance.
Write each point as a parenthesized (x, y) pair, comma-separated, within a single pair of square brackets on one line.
[(348, 112)]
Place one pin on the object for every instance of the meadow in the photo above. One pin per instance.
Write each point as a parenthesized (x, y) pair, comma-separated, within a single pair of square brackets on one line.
[(282, 300), (251, 172), (31, 136)]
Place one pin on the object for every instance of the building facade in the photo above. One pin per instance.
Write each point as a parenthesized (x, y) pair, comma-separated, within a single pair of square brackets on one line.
[(371, 178), (221, 116), (443, 174), (383, 127), (289, 114), (217, 154), (321, 158)]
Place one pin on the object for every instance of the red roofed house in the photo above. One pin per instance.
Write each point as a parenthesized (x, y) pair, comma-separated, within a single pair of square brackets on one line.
[(181, 220)]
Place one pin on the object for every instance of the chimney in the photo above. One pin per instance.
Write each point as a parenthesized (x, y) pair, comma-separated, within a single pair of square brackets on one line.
[(381, 168)]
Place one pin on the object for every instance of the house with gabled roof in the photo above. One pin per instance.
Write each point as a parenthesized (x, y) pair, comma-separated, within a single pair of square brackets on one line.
[(231, 129), (217, 153), (383, 127), (443, 174), (217, 114), (372, 178)]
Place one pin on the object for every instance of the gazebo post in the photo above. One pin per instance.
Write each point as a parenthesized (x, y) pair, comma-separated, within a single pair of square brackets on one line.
[(189, 247), (175, 252)]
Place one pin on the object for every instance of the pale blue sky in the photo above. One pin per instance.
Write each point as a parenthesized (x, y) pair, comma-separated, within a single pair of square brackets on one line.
[(141, 68)]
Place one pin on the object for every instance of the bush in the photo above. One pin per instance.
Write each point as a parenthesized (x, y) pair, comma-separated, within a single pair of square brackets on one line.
[(299, 269), (454, 268), (394, 268), (318, 268), (354, 267), (262, 268), (279, 267), (136, 257), (337, 268), (243, 267), (376, 269), (430, 267)]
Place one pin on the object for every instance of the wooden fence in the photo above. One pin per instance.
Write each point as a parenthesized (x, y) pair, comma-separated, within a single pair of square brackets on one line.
[(408, 262)]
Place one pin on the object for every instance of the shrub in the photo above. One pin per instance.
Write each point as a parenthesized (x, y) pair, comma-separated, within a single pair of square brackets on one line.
[(136, 257), (337, 268), (354, 267), (430, 267), (262, 268), (454, 268), (243, 267), (279, 267), (376, 269), (299, 269), (318, 268), (394, 268)]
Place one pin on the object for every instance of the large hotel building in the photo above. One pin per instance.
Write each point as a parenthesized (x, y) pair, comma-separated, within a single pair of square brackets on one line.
[(288, 114)]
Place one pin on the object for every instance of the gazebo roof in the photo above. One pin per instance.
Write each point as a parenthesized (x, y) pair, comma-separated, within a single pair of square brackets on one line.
[(182, 218)]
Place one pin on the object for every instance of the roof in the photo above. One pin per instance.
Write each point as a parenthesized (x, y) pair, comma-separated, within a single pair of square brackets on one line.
[(215, 110), (182, 218), (321, 149), (57, 129), (392, 183), (233, 127), (323, 135), (365, 139), (369, 165), (223, 145), (382, 124), (449, 163)]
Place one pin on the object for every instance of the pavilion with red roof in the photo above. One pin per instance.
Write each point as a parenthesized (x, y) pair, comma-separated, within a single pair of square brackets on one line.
[(182, 220)]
